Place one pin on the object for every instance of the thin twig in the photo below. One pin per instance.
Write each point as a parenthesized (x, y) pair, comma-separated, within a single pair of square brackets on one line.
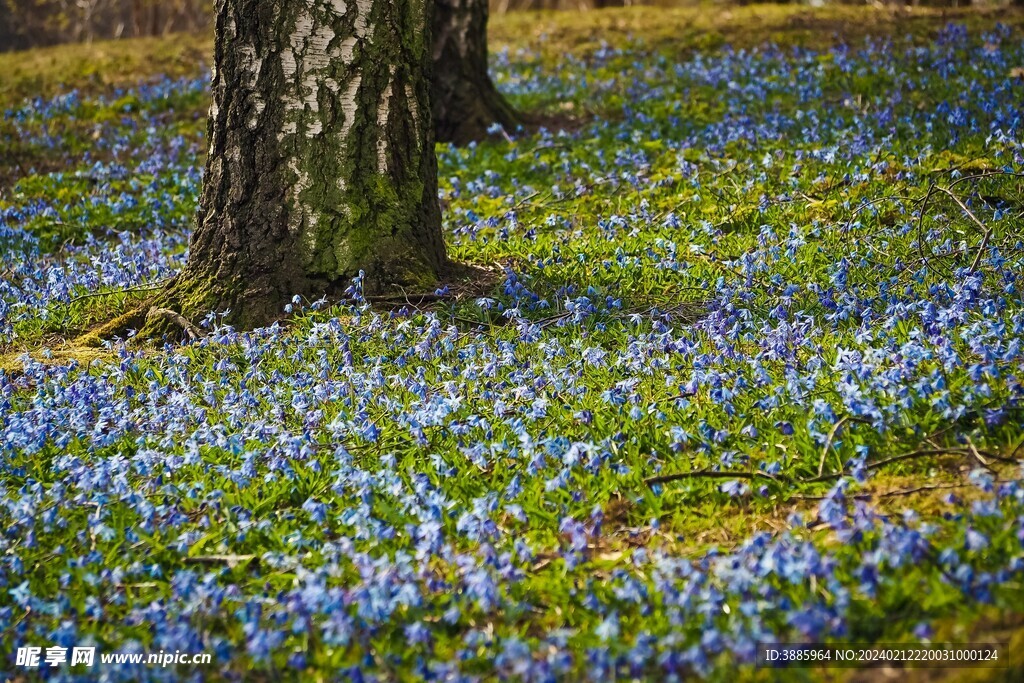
[(986, 174), (977, 456), (128, 290), (986, 230), (870, 203), (920, 224), (676, 397), (405, 298), (14, 625), (831, 435)]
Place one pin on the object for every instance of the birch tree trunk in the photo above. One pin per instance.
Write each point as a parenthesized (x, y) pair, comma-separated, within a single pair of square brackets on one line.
[(321, 158), (464, 99)]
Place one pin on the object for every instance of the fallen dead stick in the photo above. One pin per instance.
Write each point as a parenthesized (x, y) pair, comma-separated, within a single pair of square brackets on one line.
[(889, 494), (710, 474), (719, 474), (922, 453)]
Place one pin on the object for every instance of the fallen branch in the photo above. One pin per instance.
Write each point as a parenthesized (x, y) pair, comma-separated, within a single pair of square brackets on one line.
[(709, 474), (888, 494), (921, 453), (972, 452), (718, 474), (920, 489), (989, 173)]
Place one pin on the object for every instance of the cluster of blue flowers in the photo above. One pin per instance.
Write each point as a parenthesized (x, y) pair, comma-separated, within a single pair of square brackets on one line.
[(753, 374)]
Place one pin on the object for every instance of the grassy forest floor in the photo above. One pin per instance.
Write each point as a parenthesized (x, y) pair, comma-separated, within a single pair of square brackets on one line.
[(752, 371)]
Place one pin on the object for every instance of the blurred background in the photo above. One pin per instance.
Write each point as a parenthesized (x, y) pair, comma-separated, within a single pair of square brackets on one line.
[(35, 23)]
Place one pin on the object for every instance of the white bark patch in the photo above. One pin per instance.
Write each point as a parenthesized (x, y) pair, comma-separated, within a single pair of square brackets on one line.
[(258, 105), (307, 62), (349, 106), (317, 51), (307, 240), (253, 64), (315, 59), (363, 8), (303, 219), (291, 57), (214, 113), (347, 49), (383, 115), (288, 64)]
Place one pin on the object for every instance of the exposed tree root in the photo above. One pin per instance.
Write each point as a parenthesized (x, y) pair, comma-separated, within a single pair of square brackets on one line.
[(177, 318), (170, 314)]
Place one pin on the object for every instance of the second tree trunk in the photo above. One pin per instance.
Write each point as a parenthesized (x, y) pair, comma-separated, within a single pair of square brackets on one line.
[(465, 101)]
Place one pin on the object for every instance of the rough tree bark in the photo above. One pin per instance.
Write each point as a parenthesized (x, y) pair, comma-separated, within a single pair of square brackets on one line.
[(464, 100), (321, 158)]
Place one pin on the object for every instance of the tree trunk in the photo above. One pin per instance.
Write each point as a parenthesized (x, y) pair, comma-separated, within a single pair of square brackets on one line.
[(321, 160), (136, 18), (154, 27), (465, 101)]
